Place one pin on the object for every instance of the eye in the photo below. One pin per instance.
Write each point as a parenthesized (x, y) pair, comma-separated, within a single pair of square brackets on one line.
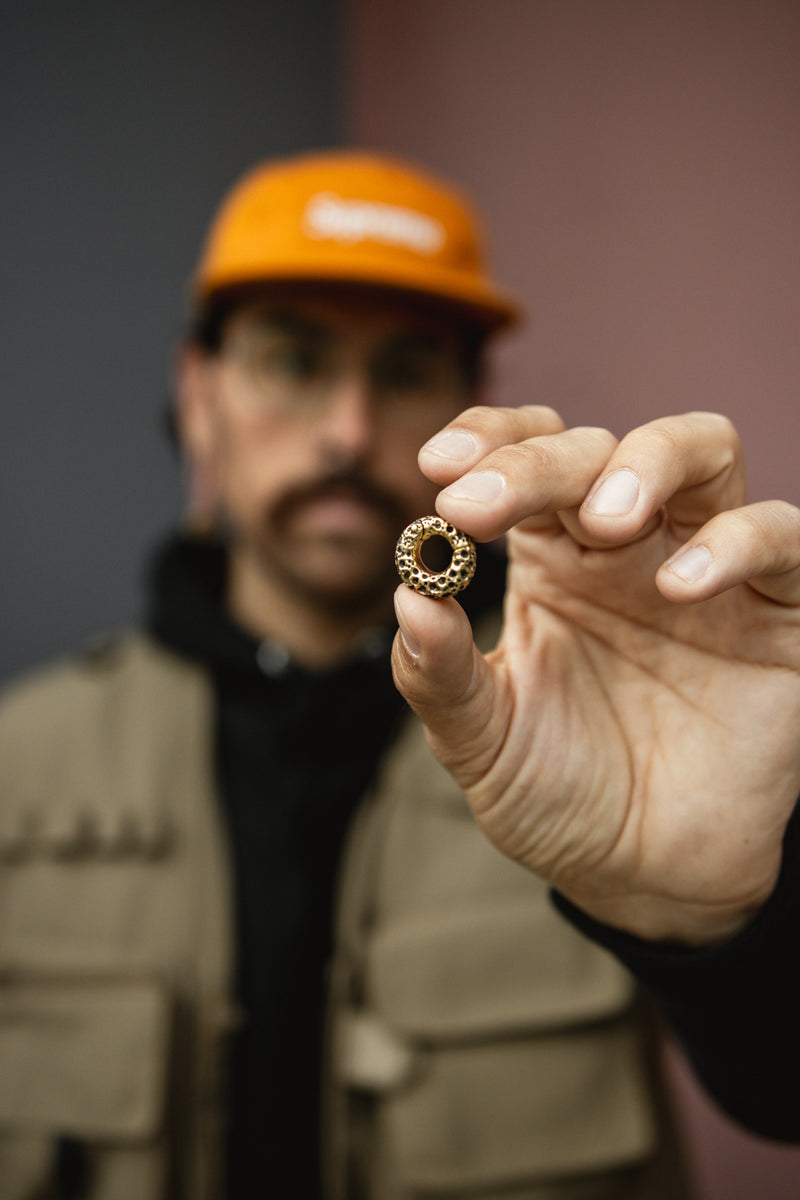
[(409, 368), (301, 361)]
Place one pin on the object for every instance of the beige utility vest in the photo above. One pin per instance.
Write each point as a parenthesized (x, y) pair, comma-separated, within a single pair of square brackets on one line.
[(477, 1045)]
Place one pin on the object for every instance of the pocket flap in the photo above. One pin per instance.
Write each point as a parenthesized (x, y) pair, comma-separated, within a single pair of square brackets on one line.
[(491, 970), (83, 1058), (516, 1113)]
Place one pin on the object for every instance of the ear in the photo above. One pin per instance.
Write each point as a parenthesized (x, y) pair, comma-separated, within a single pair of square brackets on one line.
[(194, 420), (193, 388)]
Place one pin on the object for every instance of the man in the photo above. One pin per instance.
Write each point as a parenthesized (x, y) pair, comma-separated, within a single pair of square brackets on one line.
[(242, 901)]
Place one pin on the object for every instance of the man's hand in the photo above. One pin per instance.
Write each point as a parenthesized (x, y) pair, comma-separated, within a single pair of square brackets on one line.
[(635, 736)]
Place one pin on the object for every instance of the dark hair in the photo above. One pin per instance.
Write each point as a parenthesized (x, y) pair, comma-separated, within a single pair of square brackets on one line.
[(207, 321)]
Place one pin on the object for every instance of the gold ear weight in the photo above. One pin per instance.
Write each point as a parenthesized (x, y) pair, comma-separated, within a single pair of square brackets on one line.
[(413, 571)]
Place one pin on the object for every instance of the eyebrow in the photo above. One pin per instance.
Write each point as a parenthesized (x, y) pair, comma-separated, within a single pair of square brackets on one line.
[(415, 339), (296, 326)]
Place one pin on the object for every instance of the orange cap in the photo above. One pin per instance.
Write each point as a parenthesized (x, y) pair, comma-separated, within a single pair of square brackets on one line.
[(352, 217)]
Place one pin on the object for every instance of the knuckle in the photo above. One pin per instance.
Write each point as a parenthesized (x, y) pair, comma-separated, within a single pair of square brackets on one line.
[(717, 422), (724, 434), (776, 523), (519, 421), (661, 437), (597, 433), (487, 422), (770, 528), (546, 418), (535, 454), (787, 515), (475, 414), (693, 437), (711, 427), (752, 525)]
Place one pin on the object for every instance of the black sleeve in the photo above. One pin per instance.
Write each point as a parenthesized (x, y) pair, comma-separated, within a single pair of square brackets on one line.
[(735, 1007)]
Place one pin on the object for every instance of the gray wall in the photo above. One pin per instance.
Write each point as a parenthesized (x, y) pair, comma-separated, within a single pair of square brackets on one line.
[(122, 124)]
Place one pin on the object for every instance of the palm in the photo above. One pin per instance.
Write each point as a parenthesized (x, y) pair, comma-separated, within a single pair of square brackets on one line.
[(641, 738)]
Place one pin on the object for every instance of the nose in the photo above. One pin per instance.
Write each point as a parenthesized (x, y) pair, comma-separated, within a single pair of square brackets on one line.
[(347, 426)]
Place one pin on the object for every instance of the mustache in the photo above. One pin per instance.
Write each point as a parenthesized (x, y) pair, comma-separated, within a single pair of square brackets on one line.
[(352, 480)]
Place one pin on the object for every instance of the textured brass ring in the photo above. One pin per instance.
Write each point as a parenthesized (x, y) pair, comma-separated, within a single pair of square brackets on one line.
[(412, 569)]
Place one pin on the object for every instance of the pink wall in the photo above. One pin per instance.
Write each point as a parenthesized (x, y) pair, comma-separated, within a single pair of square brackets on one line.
[(639, 165)]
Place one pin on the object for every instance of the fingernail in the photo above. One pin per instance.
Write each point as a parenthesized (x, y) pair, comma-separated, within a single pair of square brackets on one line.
[(616, 495), (409, 641), (690, 565), (454, 443), (480, 485)]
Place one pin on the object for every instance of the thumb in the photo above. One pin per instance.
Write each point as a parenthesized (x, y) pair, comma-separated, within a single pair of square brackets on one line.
[(447, 682)]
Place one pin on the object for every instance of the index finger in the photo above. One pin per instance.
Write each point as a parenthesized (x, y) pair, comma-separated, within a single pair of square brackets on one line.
[(479, 430)]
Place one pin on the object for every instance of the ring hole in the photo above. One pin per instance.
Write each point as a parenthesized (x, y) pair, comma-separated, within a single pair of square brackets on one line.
[(435, 553)]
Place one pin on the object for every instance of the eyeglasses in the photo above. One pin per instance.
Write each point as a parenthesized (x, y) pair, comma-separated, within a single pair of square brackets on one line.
[(298, 362)]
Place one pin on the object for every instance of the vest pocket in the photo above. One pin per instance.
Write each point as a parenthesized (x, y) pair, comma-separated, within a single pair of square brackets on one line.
[(522, 1058), (82, 1065)]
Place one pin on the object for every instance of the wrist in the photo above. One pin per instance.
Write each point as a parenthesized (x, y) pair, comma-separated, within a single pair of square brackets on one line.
[(664, 920)]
